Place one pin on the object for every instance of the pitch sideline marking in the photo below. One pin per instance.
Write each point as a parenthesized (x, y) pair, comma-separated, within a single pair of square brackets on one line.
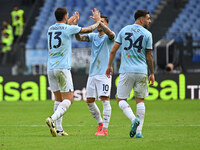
[(156, 125)]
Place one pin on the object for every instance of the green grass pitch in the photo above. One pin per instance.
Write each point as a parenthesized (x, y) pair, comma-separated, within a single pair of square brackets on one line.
[(171, 125)]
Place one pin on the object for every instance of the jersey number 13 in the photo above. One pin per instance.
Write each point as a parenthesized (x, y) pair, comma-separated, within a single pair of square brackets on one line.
[(56, 37)]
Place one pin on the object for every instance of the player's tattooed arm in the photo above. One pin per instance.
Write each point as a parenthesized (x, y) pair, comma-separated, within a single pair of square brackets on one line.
[(82, 37), (149, 59), (90, 28), (107, 31)]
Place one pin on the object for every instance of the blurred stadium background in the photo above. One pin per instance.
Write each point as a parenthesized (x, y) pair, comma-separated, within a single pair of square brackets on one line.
[(169, 125), (175, 27)]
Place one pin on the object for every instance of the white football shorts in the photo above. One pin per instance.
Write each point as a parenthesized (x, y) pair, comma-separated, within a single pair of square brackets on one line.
[(129, 81), (60, 80), (97, 86)]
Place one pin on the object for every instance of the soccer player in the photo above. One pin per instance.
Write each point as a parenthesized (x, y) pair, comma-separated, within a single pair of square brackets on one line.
[(98, 84), (136, 56), (59, 64)]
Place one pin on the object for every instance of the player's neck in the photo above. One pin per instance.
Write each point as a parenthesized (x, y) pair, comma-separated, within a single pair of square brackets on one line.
[(101, 34), (138, 23), (61, 22)]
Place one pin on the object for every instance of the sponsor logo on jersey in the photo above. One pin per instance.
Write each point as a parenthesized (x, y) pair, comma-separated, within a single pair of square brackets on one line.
[(132, 56)]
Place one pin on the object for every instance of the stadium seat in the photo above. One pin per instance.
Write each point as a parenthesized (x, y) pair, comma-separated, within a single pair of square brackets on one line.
[(187, 22), (113, 9)]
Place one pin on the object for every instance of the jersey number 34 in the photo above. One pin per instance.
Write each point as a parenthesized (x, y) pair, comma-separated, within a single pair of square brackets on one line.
[(137, 44)]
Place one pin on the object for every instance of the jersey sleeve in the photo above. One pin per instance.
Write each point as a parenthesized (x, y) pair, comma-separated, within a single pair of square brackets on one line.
[(113, 39), (110, 41), (149, 42), (119, 37), (73, 29), (91, 35)]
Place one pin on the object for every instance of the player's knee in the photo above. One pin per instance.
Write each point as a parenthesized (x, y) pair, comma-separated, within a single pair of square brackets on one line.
[(118, 100), (90, 100), (105, 98), (139, 100), (67, 95)]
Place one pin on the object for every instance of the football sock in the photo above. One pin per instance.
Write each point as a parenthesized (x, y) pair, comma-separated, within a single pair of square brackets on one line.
[(94, 110), (127, 110), (59, 121), (140, 115), (61, 109), (106, 114)]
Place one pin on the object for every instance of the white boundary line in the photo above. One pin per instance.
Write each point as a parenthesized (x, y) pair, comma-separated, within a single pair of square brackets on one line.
[(151, 125)]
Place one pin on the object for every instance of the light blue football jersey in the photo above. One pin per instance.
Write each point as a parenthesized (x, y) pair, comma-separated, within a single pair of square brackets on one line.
[(60, 45), (134, 40), (101, 47)]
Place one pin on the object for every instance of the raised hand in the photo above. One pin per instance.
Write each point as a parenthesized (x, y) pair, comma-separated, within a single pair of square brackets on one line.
[(96, 15), (72, 18), (76, 18)]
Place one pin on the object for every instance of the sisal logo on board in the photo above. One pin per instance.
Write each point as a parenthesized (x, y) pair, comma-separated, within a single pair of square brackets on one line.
[(26, 91), (35, 88), (170, 90)]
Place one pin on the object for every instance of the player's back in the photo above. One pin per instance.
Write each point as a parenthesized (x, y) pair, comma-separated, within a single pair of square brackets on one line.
[(135, 39), (59, 45)]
